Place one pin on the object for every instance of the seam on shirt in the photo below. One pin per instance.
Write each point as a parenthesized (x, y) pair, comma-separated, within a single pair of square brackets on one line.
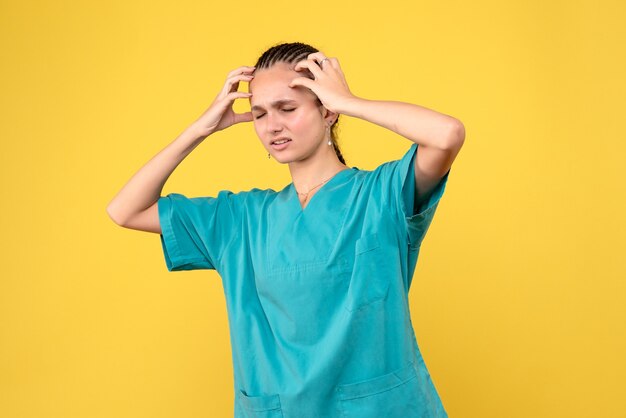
[(238, 234), (167, 231)]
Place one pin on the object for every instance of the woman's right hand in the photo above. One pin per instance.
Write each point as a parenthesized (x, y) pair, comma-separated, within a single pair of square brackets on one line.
[(220, 115)]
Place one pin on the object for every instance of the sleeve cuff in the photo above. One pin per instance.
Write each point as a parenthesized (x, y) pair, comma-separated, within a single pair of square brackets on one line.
[(175, 260), (417, 217)]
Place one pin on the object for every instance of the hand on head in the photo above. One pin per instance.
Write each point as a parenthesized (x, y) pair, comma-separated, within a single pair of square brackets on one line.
[(220, 115), (329, 83)]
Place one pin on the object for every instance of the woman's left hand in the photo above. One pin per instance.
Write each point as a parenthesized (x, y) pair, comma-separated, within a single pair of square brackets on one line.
[(329, 85)]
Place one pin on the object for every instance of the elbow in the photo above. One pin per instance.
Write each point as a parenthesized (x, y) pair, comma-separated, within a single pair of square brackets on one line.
[(455, 137), (114, 216)]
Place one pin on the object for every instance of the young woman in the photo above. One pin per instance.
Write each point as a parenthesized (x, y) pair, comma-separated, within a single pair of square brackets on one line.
[(316, 276)]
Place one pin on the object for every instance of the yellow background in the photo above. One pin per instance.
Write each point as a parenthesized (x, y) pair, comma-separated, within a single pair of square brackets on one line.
[(519, 298)]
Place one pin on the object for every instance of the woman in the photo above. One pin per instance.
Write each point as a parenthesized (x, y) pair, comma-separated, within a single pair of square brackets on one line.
[(316, 276)]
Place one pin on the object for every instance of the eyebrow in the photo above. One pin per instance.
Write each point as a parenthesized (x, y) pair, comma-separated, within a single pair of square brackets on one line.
[(277, 103)]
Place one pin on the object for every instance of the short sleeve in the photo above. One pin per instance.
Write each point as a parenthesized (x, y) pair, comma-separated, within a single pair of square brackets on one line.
[(399, 177), (195, 231)]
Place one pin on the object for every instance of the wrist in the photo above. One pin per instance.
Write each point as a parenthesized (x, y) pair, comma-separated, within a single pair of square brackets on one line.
[(197, 131), (351, 106)]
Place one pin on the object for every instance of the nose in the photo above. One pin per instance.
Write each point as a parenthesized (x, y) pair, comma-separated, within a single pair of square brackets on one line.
[(273, 123)]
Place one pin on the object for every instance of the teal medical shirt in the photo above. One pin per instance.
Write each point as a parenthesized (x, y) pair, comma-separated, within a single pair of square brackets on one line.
[(317, 299)]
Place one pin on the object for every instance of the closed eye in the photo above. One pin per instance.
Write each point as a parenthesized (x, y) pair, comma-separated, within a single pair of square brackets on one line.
[(284, 110)]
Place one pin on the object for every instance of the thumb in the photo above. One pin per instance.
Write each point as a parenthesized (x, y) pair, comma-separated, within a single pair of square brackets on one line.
[(243, 117), (301, 81)]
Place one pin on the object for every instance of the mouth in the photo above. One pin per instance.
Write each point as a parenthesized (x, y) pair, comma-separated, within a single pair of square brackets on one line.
[(280, 144), (280, 141)]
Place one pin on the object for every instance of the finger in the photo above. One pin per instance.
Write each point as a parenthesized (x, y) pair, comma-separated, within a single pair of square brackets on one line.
[(335, 64), (311, 65), (243, 117), (238, 95), (232, 83), (302, 81), (322, 60), (317, 57), (223, 101), (240, 70)]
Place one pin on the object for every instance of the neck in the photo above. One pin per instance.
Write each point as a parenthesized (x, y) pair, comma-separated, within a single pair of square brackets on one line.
[(308, 173)]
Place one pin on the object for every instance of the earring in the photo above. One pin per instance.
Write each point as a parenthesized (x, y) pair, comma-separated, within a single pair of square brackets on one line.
[(268, 155), (328, 130)]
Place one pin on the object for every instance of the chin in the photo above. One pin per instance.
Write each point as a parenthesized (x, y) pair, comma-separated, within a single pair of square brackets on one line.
[(283, 160), (285, 157)]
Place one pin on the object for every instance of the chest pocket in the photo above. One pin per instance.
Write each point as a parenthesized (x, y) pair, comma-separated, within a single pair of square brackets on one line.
[(369, 282)]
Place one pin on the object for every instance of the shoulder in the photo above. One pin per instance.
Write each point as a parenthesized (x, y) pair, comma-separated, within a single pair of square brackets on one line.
[(254, 194), (389, 168), (247, 200), (223, 198), (387, 172)]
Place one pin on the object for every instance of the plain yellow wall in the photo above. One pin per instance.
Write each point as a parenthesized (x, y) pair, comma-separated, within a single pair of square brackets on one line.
[(519, 298)]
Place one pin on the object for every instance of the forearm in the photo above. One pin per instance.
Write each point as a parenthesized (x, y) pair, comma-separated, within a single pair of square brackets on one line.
[(144, 188), (421, 125)]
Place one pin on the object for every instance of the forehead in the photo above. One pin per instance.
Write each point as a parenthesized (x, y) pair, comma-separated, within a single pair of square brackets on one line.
[(272, 84)]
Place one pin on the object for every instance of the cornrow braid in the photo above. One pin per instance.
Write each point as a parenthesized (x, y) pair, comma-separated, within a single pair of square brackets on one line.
[(292, 53), (289, 53)]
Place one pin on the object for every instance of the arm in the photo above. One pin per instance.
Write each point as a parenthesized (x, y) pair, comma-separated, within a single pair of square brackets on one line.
[(439, 136), (136, 205)]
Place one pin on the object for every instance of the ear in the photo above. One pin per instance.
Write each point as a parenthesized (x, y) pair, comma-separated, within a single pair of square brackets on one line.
[(330, 117)]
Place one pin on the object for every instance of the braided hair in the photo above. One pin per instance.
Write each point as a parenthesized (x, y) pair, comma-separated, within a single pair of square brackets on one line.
[(291, 53)]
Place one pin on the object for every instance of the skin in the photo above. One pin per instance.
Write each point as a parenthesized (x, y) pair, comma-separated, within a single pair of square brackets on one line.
[(302, 119), (439, 136)]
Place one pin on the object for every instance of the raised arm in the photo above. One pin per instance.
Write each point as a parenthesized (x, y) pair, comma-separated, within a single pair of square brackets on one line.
[(135, 205), (439, 136)]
